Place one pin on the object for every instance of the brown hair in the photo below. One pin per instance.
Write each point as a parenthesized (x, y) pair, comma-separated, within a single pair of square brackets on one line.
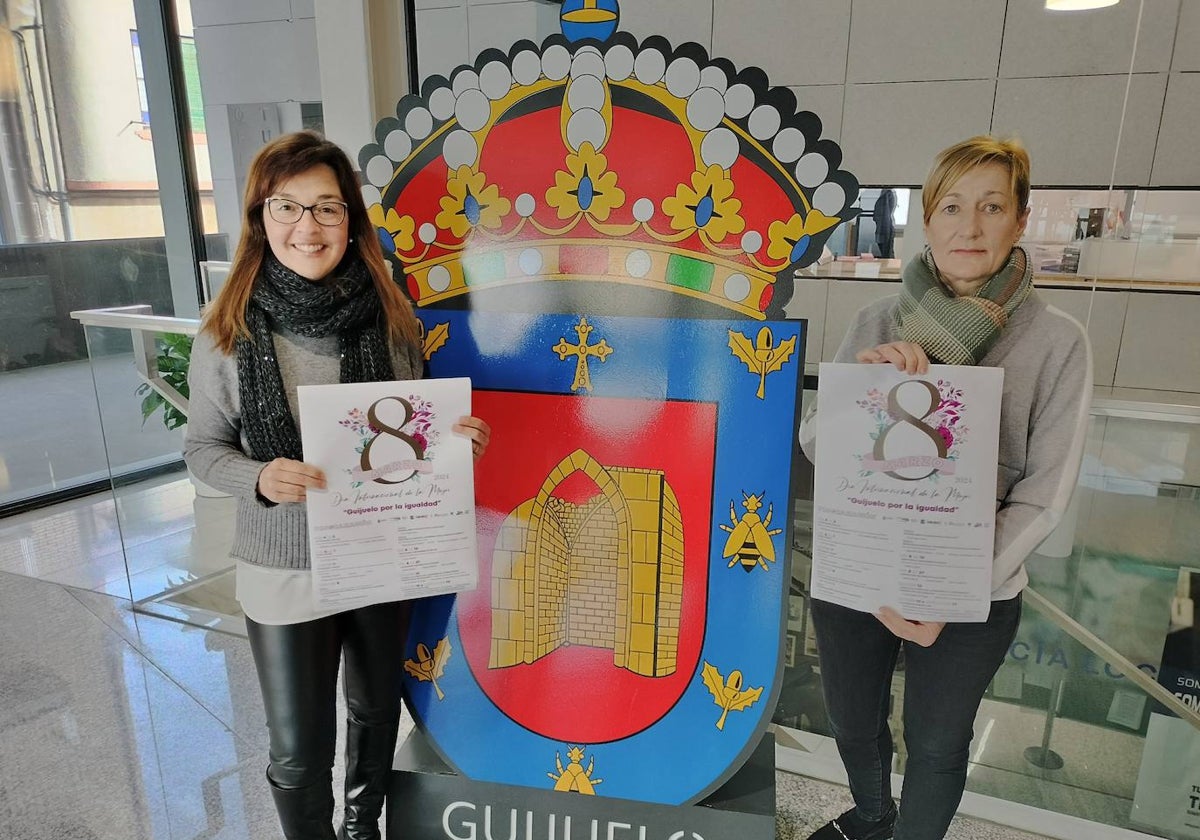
[(954, 162), (279, 160)]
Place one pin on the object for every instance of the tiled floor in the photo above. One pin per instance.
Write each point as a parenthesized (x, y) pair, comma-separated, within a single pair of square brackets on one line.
[(804, 805), (116, 725), (120, 726)]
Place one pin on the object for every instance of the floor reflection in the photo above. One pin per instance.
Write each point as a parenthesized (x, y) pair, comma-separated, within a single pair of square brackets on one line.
[(118, 725), (150, 543)]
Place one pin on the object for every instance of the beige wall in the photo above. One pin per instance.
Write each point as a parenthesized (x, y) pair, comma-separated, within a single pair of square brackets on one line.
[(104, 146), (118, 217), (894, 95), (95, 91)]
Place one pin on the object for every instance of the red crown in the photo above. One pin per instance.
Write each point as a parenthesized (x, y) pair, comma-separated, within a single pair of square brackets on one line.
[(620, 162)]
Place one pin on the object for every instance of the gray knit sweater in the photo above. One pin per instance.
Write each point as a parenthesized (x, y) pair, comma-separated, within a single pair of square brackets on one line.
[(1044, 412), (215, 447)]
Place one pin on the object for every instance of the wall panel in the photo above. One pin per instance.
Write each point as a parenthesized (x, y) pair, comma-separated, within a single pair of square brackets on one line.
[(1100, 41), (1176, 161), (884, 35), (797, 43), (890, 132), (1070, 125), (677, 20)]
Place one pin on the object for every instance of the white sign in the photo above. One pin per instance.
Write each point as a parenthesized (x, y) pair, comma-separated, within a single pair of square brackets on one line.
[(397, 518), (1167, 796), (904, 509)]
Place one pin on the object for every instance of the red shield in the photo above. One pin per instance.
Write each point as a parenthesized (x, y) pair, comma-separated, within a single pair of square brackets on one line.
[(573, 693)]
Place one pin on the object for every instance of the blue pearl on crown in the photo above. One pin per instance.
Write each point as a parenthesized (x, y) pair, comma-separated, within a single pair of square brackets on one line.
[(386, 241), (471, 209), (589, 19), (799, 248), (586, 193)]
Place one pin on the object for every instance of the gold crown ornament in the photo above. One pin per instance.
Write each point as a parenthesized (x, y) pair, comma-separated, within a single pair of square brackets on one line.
[(594, 158)]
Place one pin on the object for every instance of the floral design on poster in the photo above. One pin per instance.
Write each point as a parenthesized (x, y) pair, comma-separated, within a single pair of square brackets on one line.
[(417, 431), (942, 422)]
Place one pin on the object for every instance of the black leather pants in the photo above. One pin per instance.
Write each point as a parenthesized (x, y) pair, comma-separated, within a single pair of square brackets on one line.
[(297, 669)]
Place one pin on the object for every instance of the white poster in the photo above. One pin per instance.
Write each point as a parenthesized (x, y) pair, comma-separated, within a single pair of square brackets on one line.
[(905, 497), (397, 518), (1167, 796)]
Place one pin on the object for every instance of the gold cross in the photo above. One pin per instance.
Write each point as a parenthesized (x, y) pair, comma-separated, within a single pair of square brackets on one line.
[(581, 351)]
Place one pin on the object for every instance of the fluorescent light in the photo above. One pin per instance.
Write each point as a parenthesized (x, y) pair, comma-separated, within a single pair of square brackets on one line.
[(1077, 5)]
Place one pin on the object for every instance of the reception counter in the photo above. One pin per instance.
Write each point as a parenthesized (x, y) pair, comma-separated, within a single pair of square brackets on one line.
[(1143, 332)]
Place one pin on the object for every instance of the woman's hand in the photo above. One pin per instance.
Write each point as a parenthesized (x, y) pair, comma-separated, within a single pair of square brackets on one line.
[(923, 633), (285, 480), (905, 355), (478, 431)]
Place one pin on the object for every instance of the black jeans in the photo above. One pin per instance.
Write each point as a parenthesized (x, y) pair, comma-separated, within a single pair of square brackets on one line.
[(297, 670), (943, 686)]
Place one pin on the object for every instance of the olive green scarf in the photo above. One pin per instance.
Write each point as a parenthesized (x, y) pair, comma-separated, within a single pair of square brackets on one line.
[(960, 330)]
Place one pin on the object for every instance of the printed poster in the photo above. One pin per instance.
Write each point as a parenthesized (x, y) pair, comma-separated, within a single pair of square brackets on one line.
[(397, 519), (1167, 796), (904, 504)]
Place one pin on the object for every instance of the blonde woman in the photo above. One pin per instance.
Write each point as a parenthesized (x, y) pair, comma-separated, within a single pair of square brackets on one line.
[(967, 300)]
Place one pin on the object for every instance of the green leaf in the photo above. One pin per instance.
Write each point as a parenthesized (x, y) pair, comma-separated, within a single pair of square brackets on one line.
[(172, 361), (149, 405), (173, 418)]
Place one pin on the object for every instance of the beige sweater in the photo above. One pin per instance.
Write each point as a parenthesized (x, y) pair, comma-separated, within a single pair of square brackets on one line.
[(1044, 410), (216, 450)]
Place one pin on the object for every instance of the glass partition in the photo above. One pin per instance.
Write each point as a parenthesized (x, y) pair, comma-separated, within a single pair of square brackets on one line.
[(1063, 726), (49, 438), (81, 224), (175, 532)]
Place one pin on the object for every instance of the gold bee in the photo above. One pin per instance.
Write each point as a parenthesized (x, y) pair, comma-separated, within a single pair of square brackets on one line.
[(728, 694), (763, 356), (749, 540), (573, 778)]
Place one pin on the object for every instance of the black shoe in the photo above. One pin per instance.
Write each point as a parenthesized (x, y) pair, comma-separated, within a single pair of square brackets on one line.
[(369, 752), (850, 826), (305, 813)]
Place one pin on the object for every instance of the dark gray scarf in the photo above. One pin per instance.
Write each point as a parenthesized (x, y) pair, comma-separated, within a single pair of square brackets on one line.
[(344, 304)]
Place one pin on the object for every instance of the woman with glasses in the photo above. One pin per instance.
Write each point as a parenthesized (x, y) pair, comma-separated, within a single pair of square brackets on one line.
[(309, 300)]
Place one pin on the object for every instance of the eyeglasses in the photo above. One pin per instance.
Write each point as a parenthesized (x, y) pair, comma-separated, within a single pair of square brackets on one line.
[(288, 212)]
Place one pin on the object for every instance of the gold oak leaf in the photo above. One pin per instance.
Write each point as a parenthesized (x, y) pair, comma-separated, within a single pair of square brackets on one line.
[(763, 356), (743, 349), (728, 694), (428, 667), (434, 340), (782, 353)]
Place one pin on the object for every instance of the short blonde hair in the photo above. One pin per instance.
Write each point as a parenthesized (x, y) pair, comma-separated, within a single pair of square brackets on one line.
[(954, 162)]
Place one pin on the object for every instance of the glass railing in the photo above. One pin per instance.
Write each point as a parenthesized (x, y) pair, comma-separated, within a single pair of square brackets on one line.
[(49, 439), (1092, 717), (175, 533)]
